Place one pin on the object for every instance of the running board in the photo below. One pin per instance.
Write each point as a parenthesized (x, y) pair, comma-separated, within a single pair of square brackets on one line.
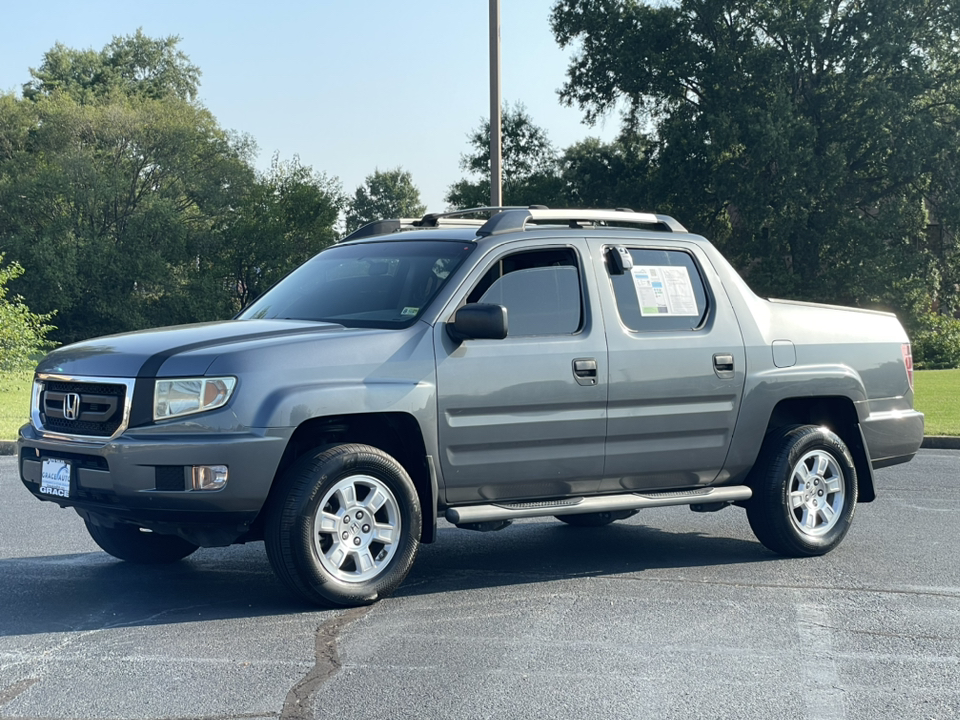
[(597, 503)]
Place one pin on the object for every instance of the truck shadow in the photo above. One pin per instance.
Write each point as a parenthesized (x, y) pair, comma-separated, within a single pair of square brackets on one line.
[(92, 591), (546, 552)]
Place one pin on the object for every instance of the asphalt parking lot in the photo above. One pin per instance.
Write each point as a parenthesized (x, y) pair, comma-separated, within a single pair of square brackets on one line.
[(669, 614)]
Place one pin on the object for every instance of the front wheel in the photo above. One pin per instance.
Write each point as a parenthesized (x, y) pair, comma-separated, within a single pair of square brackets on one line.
[(345, 527), (130, 543), (805, 491)]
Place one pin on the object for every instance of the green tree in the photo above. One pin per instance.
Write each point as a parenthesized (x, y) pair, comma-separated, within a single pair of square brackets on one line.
[(107, 205), (129, 65), (22, 333), (130, 207), (530, 164), (284, 218), (387, 194), (811, 137), (608, 175)]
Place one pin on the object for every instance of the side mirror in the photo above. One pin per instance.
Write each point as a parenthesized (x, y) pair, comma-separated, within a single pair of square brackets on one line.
[(479, 321)]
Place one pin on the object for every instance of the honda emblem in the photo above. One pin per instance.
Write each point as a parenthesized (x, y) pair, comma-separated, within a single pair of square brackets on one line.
[(71, 406)]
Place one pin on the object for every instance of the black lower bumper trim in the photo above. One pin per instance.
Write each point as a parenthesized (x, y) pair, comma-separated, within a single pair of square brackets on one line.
[(138, 515), (888, 461)]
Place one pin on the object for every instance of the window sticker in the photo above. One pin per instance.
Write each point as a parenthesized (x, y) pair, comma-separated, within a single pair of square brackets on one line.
[(409, 311), (664, 290)]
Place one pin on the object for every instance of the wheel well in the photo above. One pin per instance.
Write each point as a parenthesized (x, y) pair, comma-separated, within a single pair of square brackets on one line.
[(838, 414), (397, 434)]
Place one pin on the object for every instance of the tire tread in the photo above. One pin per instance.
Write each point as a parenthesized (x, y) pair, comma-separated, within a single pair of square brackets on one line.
[(286, 529), (766, 511)]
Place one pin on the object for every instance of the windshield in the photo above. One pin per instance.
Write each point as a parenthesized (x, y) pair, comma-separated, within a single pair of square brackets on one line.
[(381, 285)]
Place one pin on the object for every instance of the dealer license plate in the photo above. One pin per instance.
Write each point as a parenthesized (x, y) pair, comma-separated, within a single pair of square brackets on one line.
[(55, 477)]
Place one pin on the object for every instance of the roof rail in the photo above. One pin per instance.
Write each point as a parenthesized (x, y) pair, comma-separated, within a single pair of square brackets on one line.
[(514, 219), (432, 219)]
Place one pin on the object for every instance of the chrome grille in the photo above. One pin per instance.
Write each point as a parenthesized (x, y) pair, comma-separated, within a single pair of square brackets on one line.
[(81, 408)]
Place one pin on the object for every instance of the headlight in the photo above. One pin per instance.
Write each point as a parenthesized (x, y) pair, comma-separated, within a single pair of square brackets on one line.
[(185, 396)]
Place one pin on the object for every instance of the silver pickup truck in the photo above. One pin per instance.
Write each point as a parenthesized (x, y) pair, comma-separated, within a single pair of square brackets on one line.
[(581, 364)]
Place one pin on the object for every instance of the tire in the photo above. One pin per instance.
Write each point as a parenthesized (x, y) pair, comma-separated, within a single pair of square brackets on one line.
[(805, 491), (595, 519), (318, 534), (130, 543)]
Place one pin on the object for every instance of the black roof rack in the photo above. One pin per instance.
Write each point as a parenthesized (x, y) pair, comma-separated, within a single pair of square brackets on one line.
[(380, 227), (386, 227)]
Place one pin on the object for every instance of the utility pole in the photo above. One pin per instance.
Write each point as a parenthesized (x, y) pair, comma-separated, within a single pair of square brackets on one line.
[(496, 165)]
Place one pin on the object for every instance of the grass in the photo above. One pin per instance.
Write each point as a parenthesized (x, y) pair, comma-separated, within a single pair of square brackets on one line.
[(937, 396), (14, 402)]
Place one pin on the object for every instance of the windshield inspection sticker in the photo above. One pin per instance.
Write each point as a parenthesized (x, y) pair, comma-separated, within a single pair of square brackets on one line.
[(664, 290), (409, 311)]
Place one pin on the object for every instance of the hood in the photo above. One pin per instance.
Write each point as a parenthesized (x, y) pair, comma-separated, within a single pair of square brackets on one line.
[(191, 348)]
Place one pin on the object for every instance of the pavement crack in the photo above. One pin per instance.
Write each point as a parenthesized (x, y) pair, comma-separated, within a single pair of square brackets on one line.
[(151, 618), (877, 633), (950, 593), (298, 704), (16, 689), (642, 576), (231, 716)]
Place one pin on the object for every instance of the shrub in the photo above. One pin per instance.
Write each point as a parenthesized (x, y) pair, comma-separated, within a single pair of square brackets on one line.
[(22, 333), (936, 342)]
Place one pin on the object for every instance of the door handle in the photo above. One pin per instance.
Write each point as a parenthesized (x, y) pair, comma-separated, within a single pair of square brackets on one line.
[(723, 365), (585, 371)]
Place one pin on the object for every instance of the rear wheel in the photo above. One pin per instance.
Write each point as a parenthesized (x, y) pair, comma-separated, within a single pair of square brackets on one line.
[(345, 527), (805, 491), (130, 543)]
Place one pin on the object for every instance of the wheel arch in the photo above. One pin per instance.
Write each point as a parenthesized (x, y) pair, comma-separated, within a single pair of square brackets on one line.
[(839, 414), (397, 434)]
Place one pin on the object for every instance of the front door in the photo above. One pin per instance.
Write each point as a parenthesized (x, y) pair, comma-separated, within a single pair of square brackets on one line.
[(524, 416)]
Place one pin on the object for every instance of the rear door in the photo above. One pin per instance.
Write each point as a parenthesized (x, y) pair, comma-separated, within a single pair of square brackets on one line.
[(676, 364), (524, 417)]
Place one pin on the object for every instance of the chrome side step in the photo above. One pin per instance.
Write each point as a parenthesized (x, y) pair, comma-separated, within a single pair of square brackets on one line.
[(599, 503)]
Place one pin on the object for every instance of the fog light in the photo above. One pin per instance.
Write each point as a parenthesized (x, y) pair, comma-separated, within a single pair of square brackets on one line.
[(209, 477)]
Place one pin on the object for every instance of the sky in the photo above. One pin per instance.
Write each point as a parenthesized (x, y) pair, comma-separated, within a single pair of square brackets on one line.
[(349, 87)]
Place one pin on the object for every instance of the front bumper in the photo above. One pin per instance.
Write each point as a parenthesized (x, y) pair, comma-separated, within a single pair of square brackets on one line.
[(133, 479)]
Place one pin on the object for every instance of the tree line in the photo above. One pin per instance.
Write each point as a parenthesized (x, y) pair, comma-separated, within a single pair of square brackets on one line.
[(125, 205), (816, 142)]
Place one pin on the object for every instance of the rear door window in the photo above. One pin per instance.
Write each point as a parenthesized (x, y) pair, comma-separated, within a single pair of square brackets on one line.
[(663, 291)]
